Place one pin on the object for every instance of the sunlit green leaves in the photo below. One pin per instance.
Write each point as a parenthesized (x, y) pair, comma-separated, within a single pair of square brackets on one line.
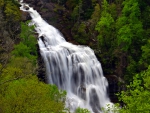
[(105, 22), (136, 98), (106, 19), (22, 92), (129, 26), (21, 50), (30, 95), (17, 68), (27, 47), (28, 38), (125, 37)]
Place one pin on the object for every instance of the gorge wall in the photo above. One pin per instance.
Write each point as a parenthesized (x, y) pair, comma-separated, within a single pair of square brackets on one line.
[(58, 16)]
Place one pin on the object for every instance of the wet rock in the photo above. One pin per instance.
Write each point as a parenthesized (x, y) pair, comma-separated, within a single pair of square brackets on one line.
[(114, 87), (41, 67), (49, 6), (25, 16), (28, 1)]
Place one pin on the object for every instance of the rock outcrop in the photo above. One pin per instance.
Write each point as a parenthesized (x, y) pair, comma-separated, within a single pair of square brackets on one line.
[(53, 13)]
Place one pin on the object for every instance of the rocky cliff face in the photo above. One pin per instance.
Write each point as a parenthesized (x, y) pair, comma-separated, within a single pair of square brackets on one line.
[(54, 14)]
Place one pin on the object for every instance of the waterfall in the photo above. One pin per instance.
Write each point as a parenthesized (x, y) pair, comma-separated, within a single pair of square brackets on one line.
[(72, 68)]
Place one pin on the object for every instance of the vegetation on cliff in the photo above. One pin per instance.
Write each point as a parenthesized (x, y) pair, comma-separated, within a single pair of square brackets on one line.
[(20, 89), (118, 31)]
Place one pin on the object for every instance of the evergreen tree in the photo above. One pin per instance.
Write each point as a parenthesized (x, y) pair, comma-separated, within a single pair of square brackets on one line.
[(129, 37), (129, 25), (106, 36)]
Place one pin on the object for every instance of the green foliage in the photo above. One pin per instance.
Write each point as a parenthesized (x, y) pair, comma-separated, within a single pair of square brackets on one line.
[(105, 5), (105, 21), (1, 3), (77, 11), (81, 110), (88, 8), (27, 46), (10, 17), (12, 11), (75, 14), (106, 35), (129, 39), (104, 24), (22, 92), (18, 92), (146, 17), (144, 61), (72, 3), (28, 38), (129, 26), (111, 108), (18, 67), (125, 37), (113, 10), (82, 10), (117, 30), (114, 29), (21, 50), (82, 28), (136, 98), (81, 35), (22, 96), (95, 16), (20, 89)]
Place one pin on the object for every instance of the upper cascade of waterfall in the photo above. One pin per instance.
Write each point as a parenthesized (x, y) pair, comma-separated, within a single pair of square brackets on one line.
[(72, 68), (42, 28)]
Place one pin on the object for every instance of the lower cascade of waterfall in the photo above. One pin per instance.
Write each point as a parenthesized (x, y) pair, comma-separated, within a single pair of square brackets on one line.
[(72, 68)]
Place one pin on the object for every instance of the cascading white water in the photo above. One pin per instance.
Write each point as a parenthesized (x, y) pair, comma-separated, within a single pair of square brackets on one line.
[(72, 68)]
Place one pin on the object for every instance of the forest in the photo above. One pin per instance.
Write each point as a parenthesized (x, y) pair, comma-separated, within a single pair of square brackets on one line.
[(117, 30)]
